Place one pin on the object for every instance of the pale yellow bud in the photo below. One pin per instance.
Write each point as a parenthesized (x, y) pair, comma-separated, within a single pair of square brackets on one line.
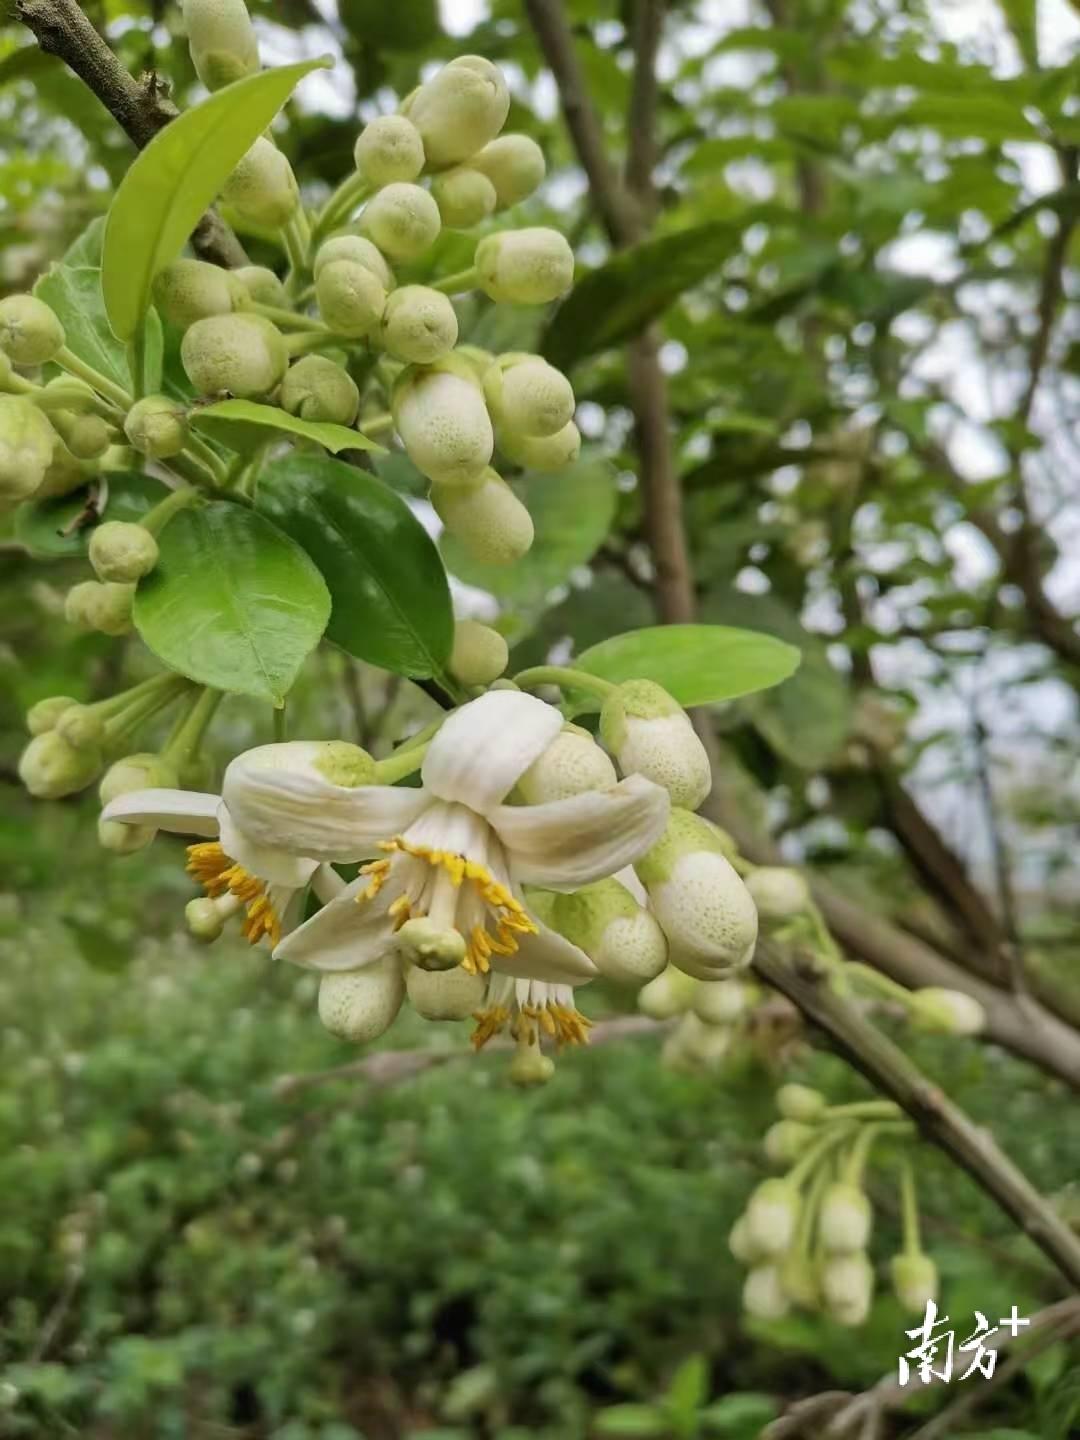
[(351, 298), (44, 715), (87, 437), (402, 220), (419, 325), (222, 41), (844, 1219), (515, 166), (51, 768), (946, 1012), (122, 551), (262, 285), (359, 251), (670, 994), (443, 423), (464, 197), (144, 771), (157, 426), (772, 1215), (444, 994), (263, 187), (316, 388), (361, 1005), (27, 444), (651, 735), (459, 110), (546, 453), (847, 1287), (571, 764), (82, 727), (764, 1296), (204, 920), (779, 893), (800, 1102), (915, 1281), (389, 149), (525, 267), (30, 331), (190, 290), (480, 654), (489, 520), (100, 606), (529, 397), (244, 355)]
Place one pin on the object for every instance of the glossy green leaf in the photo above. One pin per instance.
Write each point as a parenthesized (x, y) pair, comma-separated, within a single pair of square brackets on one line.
[(244, 425), (643, 1420), (391, 599), (697, 664), (233, 602), (572, 512), (175, 178), (43, 527)]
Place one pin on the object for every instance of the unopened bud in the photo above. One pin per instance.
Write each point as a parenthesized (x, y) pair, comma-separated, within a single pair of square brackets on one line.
[(480, 654), (515, 166), (97, 606), (546, 453), (50, 768), (740, 1245), (946, 1012), (443, 423), (800, 1102), (263, 287), (389, 149), (847, 1287), (122, 551), (65, 473), (222, 41), (359, 251), (361, 1005), (429, 946), (670, 994), (190, 290), (489, 520), (243, 355), (144, 771), (772, 1215), (157, 427), (459, 110), (444, 994), (205, 919), (785, 1141), (464, 197), (844, 1219), (87, 437), (419, 325), (27, 443), (651, 735), (82, 727), (402, 220), (525, 267), (43, 716), (351, 299), (316, 388), (721, 1002), (619, 935), (263, 188), (764, 1296), (798, 1275), (529, 397), (915, 1281), (30, 331), (64, 392), (779, 893), (571, 764), (120, 839)]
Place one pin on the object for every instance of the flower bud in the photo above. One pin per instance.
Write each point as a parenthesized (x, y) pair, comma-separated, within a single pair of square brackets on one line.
[(670, 994), (444, 425), (27, 443), (351, 299), (359, 251), (488, 519), (529, 397), (515, 166), (122, 551), (444, 994), (785, 1141), (779, 893), (64, 474), (103, 607), (480, 654), (525, 267), (546, 453), (121, 839), (847, 1287), (361, 1005), (459, 110), (740, 1245), (64, 392), (30, 331), (43, 716), (389, 149), (764, 1296), (419, 325), (261, 286), (402, 220), (263, 188), (800, 1102), (242, 354), (798, 1275), (772, 1215), (50, 768), (915, 1281), (82, 727), (222, 41), (721, 1002), (571, 764), (87, 437), (619, 935), (649, 734), (946, 1012), (316, 388), (144, 771), (205, 919), (190, 290), (844, 1219), (157, 427), (464, 197)]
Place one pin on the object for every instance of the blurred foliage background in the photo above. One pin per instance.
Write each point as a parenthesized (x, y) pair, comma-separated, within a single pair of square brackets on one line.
[(863, 262)]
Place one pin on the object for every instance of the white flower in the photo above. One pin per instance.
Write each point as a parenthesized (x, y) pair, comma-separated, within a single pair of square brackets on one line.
[(531, 1009)]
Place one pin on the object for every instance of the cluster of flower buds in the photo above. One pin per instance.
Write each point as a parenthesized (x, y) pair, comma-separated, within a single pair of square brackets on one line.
[(713, 1016), (804, 1236)]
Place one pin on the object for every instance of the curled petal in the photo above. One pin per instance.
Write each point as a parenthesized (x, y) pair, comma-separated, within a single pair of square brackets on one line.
[(548, 956), (268, 862), (484, 748), (346, 934), (183, 812)]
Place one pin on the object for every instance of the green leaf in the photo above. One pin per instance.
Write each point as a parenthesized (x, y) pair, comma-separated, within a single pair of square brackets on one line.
[(175, 178), (689, 1388), (630, 1420), (233, 602), (244, 425), (619, 299), (72, 286), (739, 1417), (572, 512), (40, 525), (391, 599), (697, 664)]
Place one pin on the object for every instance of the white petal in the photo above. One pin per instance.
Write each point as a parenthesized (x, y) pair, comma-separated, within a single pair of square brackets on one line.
[(546, 956), (277, 797), (484, 748), (183, 812), (268, 862), (627, 878), (327, 884), (568, 843), (344, 935)]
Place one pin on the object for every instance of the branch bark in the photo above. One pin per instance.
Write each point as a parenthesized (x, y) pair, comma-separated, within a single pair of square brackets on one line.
[(140, 107)]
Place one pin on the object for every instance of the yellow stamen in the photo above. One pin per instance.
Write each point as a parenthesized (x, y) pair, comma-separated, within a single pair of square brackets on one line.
[(400, 912), (219, 875), (488, 1024), (378, 870)]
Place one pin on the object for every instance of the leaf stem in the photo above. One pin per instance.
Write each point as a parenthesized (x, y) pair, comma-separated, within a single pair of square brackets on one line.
[(566, 678), (289, 319), (207, 457), (185, 740), (403, 762), (352, 190), (312, 340), (69, 361)]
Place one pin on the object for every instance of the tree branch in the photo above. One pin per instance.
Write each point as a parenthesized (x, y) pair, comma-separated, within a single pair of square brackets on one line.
[(140, 107)]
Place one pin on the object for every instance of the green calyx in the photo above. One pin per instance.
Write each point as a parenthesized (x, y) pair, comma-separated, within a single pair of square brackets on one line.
[(345, 765), (685, 834)]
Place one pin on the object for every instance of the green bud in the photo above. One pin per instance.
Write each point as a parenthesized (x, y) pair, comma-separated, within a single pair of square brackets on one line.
[(847, 1287), (529, 397), (844, 1219), (144, 771), (402, 220), (764, 1296), (772, 1215), (419, 325), (27, 444), (443, 423), (798, 1275), (489, 520), (651, 735), (316, 388), (122, 551), (444, 994), (779, 893), (361, 1005), (786, 1140), (721, 1002), (800, 1102), (190, 290), (740, 1246), (263, 188), (64, 392), (122, 839), (64, 474), (262, 286), (429, 946), (464, 197), (571, 764), (157, 427), (946, 1012), (459, 110), (86, 436), (43, 716), (915, 1281), (104, 607), (619, 935), (243, 355), (546, 453), (389, 149), (50, 768), (351, 299), (525, 267), (204, 919), (222, 41), (480, 654), (670, 994), (82, 727), (30, 331), (515, 166), (357, 250)]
